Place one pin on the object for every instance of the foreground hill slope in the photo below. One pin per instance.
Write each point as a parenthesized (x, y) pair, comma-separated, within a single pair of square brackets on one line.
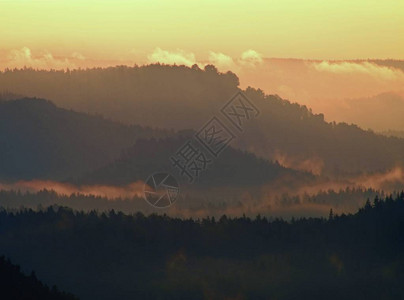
[(117, 256), (17, 286)]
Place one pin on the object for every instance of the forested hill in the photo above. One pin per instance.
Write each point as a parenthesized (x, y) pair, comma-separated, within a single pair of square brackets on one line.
[(118, 256), (179, 97), (17, 286), (41, 141), (233, 167)]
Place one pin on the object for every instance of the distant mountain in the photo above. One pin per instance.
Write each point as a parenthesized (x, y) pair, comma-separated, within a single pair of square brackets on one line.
[(40, 140), (17, 286), (179, 97), (380, 112), (294, 134)]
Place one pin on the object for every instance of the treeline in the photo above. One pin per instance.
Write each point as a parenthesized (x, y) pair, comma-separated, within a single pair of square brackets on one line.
[(197, 204), (115, 255), (345, 198)]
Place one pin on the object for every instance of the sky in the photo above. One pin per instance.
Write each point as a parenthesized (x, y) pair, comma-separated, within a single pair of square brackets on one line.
[(129, 31)]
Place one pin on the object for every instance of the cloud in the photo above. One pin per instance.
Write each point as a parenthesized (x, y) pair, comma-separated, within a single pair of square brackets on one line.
[(221, 61), (131, 190), (313, 165), (179, 57), (250, 58), (20, 58), (78, 56), (389, 181), (367, 68)]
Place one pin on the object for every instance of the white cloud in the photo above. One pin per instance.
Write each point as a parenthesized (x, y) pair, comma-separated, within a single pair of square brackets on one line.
[(19, 58), (179, 57), (222, 61), (250, 58), (78, 56), (365, 68)]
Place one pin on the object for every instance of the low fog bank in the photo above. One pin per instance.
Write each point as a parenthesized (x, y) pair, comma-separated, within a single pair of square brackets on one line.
[(278, 199)]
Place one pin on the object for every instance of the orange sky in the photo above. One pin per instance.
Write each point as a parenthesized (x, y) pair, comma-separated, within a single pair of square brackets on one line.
[(130, 31)]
